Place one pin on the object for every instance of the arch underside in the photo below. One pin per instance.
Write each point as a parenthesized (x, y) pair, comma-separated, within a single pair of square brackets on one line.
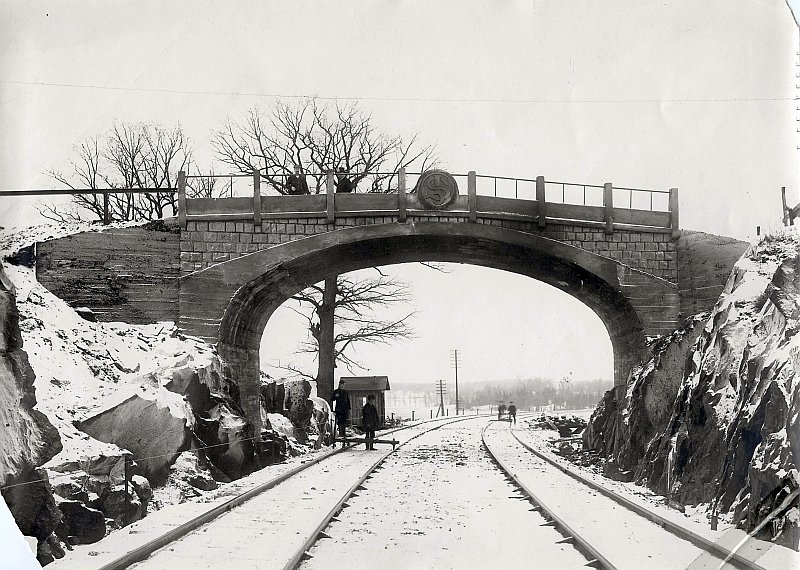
[(241, 295)]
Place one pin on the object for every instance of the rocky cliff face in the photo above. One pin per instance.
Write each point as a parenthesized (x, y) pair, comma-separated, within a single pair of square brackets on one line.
[(724, 428), (27, 438)]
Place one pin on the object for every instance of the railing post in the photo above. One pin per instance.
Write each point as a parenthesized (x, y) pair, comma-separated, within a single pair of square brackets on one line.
[(540, 201), (608, 203), (106, 213), (329, 187), (472, 195), (256, 198), (674, 213), (401, 195), (182, 199)]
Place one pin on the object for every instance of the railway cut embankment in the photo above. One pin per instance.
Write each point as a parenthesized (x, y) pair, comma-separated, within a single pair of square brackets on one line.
[(713, 418)]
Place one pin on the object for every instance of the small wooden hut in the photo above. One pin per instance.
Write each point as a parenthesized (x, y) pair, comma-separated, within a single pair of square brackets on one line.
[(358, 388)]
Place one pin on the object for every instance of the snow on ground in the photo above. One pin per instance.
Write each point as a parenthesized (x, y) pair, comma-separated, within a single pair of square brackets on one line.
[(441, 503)]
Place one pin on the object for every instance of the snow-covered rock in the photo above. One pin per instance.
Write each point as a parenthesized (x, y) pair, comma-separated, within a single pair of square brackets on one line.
[(27, 438), (154, 425), (730, 438)]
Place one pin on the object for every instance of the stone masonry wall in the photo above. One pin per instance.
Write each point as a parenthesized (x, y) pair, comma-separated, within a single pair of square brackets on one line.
[(206, 243)]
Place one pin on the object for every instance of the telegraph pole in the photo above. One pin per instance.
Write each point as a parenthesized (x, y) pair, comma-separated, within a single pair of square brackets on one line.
[(454, 364), (440, 389)]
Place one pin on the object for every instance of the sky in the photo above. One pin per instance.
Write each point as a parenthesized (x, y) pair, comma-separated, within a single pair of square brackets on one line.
[(695, 95)]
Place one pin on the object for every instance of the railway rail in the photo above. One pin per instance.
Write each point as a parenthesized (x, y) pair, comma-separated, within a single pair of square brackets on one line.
[(143, 553), (608, 549), (249, 524)]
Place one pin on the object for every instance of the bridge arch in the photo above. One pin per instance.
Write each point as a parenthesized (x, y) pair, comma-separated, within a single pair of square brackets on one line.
[(231, 302)]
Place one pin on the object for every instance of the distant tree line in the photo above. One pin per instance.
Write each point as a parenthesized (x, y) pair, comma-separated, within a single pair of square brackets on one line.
[(530, 392)]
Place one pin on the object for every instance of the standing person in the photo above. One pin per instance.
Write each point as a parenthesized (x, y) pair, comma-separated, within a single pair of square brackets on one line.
[(512, 412), (341, 407), (343, 183), (296, 183), (369, 421), (500, 411)]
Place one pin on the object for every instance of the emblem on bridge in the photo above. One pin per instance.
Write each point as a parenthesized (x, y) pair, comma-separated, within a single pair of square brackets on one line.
[(436, 189)]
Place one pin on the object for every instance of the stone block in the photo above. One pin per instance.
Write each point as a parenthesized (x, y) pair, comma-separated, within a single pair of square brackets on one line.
[(660, 256), (670, 256), (246, 238), (216, 226), (187, 266), (207, 256), (261, 238), (625, 238), (280, 227), (217, 257), (230, 227), (648, 246), (201, 226), (215, 246), (210, 236), (645, 237)]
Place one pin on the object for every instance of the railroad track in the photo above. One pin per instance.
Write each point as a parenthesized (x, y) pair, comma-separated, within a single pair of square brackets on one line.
[(253, 530), (162, 552), (626, 525)]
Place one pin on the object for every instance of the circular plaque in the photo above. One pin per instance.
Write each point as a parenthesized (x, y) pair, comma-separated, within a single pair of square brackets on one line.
[(436, 189)]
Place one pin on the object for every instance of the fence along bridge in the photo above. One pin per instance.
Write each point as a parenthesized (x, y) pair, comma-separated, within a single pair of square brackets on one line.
[(612, 248)]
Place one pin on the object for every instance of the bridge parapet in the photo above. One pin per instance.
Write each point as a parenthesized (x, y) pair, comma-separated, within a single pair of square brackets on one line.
[(221, 229)]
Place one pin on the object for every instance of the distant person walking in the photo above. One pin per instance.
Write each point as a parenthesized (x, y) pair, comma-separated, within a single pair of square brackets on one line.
[(512, 412), (501, 409), (341, 407), (369, 421)]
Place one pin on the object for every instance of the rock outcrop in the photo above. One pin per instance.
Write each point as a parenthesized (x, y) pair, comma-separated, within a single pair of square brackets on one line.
[(27, 438), (728, 433)]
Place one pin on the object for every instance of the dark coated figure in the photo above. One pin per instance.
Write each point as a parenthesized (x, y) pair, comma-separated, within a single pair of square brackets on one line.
[(501, 409), (343, 184), (512, 413), (296, 183), (369, 421), (341, 407)]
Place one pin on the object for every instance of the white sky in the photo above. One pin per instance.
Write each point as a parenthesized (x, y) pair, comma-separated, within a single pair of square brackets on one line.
[(694, 95)]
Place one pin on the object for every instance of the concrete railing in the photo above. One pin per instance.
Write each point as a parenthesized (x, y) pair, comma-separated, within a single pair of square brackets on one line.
[(402, 204)]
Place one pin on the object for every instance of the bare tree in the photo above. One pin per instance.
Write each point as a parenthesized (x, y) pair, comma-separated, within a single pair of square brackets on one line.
[(342, 316), (318, 139), (129, 156)]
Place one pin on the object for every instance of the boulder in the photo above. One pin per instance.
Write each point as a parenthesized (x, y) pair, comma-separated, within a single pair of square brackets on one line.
[(272, 396), (115, 504), (80, 524), (154, 426), (320, 422), (299, 408), (189, 468)]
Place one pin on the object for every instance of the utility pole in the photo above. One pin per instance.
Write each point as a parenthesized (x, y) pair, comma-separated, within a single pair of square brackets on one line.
[(440, 389), (454, 364)]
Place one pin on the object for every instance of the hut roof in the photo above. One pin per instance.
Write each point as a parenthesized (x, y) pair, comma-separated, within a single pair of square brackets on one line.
[(366, 382)]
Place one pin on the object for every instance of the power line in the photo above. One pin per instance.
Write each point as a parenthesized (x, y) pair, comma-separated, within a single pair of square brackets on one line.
[(398, 99)]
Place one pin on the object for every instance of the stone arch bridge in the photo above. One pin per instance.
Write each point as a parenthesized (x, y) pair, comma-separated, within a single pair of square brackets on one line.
[(242, 257)]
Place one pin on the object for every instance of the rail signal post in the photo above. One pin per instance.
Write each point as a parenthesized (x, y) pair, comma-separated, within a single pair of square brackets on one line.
[(454, 363)]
